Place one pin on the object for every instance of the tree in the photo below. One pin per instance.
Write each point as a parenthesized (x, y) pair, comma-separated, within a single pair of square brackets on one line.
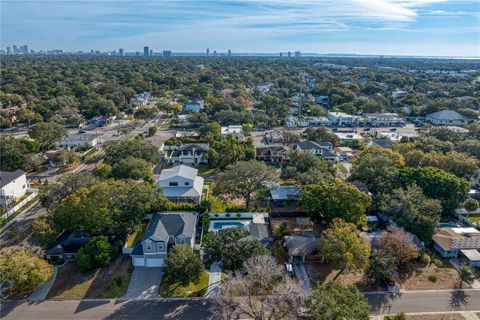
[(224, 152), (377, 171), (412, 210), (118, 151), (320, 134), (131, 168), (19, 154), (465, 274), (183, 265), (46, 133), (228, 246), (334, 301), (437, 184), (335, 199), (152, 130), (342, 246), (306, 168), (21, 270), (398, 316), (65, 157), (281, 230), (96, 253), (259, 290), (244, 178), (398, 244), (470, 205), (43, 232)]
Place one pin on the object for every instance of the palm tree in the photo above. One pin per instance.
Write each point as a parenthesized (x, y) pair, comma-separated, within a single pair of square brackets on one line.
[(465, 273)]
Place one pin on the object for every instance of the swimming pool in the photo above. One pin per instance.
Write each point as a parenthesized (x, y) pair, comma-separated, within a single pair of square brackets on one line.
[(220, 225)]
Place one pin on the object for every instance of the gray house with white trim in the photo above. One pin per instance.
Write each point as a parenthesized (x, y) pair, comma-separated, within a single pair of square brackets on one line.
[(164, 230)]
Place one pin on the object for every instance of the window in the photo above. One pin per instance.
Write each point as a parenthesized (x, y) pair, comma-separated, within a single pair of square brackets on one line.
[(187, 183), (173, 184), (149, 247)]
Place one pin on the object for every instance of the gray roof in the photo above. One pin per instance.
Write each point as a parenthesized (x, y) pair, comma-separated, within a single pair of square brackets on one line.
[(6, 176), (302, 244), (259, 231), (196, 146), (181, 171), (166, 224), (383, 143), (309, 145), (285, 193), (446, 115)]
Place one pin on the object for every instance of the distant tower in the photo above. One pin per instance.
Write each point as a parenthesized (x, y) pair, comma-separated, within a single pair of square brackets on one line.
[(167, 53), (9, 50), (120, 52), (229, 53), (297, 54), (214, 53), (146, 51), (15, 49), (281, 54), (289, 54), (208, 52)]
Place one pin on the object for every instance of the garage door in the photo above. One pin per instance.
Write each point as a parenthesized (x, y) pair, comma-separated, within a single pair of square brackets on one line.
[(138, 262), (154, 262)]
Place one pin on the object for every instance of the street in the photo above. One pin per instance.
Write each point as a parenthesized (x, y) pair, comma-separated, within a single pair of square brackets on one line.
[(195, 309)]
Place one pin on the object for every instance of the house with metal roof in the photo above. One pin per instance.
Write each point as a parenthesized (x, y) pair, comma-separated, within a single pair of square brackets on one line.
[(447, 118), (165, 230), (181, 184)]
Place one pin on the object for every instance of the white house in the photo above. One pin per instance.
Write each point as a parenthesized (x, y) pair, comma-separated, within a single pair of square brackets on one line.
[(383, 119), (236, 131), (343, 119), (79, 140), (447, 117), (181, 184), (188, 153), (141, 99), (13, 185), (321, 149)]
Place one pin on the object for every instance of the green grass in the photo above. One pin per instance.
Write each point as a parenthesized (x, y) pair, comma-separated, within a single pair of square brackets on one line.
[(474, 218), (134, 237), (192, 290)]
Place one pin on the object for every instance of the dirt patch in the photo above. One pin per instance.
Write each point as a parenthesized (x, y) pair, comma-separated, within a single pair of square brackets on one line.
[(418, 277), (450, 316), (71, 283), (323, 272)]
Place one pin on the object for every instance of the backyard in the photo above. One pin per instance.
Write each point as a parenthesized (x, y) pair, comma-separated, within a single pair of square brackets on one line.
[(109, 282)]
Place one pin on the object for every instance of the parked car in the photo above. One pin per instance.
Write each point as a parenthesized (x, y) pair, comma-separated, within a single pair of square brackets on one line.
[(289, 269), (393, 129), (81, 131)]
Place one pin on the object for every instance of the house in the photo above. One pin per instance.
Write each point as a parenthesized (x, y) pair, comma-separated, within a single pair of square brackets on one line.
[(383, 119), (322, 100), (188, 153), (264, 87), (258, 230), (322, 149), (274, 137), (236, 131), (66, 246), (272, 153), (79, 140), (347, 136), (13, 185), (447, 117), (293, 122), (164, 230), (301, 245), (398, 94), (279, 195), (320, 121), (181, 184), (141, 99), (183, 118), (381, 143), (343, 119), (453, 242), (193, 106), (345, 154)]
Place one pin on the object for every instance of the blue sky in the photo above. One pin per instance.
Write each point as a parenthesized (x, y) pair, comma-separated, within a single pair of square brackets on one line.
[(406, 27)]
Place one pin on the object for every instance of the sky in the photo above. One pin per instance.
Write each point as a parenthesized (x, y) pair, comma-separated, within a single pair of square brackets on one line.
[(397, 27)]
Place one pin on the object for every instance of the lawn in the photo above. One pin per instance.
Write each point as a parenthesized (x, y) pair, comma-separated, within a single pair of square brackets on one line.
[(416, 277), (71, 283), (192, 290), (446, 316), (474, 219)]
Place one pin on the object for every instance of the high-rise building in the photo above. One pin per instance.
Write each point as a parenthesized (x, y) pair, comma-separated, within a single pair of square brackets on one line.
[(214, 53), (9, 50), (146, 51), (281, 54), (167, 53), (24, 49), (208, 52), (229, 53), (289, 54), (151, 52), (120, 52), (15, 49), (297, 54)]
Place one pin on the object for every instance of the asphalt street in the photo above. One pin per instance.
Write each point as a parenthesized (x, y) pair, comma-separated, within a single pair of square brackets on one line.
[(196, 309)]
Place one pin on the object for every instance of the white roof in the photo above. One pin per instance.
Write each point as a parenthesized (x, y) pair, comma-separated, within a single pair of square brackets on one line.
[(472, 255), (180, 171), (232, 130), (465, 230)]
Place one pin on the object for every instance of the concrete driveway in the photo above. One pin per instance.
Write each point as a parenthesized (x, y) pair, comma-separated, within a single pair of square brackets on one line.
[(144, 283), (301, 273)]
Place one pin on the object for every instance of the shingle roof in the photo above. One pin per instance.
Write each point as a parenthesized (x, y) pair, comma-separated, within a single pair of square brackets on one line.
[(457, 238), (309, 145), (166, 224), (446, 115), (6, 176), (302, 244)]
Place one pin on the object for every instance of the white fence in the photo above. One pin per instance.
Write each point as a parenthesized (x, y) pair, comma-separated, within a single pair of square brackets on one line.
[(32, 195)]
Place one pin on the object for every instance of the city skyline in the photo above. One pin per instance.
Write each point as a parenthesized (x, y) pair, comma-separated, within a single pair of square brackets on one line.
[(388, 27)]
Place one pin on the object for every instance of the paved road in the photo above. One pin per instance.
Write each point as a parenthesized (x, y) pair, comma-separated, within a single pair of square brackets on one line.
[(108, 309), (425, 301), (196, 309)]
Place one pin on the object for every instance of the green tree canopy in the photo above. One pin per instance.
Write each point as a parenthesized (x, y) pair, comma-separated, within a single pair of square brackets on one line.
[(118, 151), (46, 133), (131, 168), (96, 253), (306, 168), (183, 265)]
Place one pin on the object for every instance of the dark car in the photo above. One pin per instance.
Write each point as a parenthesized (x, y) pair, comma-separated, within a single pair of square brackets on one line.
[(393, 129)]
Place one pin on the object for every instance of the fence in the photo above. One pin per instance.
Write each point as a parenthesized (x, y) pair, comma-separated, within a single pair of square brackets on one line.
[(32, 195)]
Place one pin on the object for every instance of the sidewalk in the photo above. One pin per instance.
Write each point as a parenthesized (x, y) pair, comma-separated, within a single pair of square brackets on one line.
[(214, 280), (41, 293), (457, 266)]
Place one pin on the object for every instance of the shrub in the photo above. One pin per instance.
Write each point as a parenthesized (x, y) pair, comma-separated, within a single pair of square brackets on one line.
[(433, 278), (227, 215), (119, 281), (84, 261), (238, 215), (96, 253), (425, 258), (438, 263)]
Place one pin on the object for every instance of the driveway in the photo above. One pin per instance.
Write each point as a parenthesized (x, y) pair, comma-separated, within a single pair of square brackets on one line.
[(144, 283), (301, 273), (214, 280)]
